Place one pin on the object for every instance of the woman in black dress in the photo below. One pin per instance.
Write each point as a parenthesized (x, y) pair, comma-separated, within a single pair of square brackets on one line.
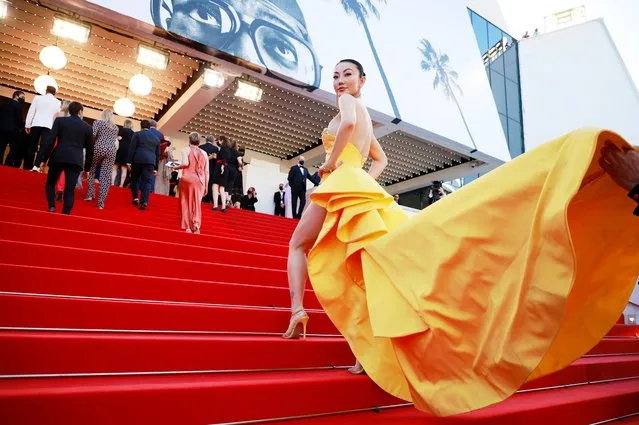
[(124, 137), (234, 165), (221, 173)]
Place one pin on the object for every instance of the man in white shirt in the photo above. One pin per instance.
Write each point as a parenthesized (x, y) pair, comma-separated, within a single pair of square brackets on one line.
[(39, 122)]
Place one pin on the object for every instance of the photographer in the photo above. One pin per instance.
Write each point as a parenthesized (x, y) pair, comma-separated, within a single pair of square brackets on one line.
[(249, 200), (437, 192)]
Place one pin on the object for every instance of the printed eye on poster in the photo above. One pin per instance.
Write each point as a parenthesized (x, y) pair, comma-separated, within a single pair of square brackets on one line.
[(420, 56)]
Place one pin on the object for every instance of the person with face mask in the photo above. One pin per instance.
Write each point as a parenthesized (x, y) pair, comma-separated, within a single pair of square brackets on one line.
[(297, 177), (278, 200), (12, 128)]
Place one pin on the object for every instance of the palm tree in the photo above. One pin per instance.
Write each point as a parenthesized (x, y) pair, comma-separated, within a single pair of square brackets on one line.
[(445, 76), (362, 10)]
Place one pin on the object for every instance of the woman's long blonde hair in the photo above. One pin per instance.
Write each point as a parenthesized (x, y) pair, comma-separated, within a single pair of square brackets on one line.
[(64, 108), (107, 115)]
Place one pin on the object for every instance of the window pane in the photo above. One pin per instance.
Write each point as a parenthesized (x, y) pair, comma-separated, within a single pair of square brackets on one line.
[(494, 35), (481, 33), (515, 138), (498, 64), (499, 91), (504, 124), (511, 64), (512, 100)]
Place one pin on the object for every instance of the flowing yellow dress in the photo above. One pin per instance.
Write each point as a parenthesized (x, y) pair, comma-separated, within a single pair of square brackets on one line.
[(508, 279)]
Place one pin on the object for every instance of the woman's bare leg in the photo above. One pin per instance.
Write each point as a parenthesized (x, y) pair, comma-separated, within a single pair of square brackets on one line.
[(216, 194), (303, 238)]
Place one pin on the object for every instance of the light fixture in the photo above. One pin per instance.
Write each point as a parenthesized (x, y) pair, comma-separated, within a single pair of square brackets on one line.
[(140, 84), (632, 319), (65, 28), (4, 9), (152, 58), (248, 91), (53, 57), (42, 82), (124, 107), (213, 78)]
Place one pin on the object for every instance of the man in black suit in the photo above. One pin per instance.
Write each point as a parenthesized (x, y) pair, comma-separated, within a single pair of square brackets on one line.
[(12, 128), (144, 155), (278, 200), (297, 177), (73, 135)]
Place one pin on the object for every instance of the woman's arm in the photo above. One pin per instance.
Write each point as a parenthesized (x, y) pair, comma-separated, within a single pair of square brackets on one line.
[(379, 158), (185, 160), (348, 112)]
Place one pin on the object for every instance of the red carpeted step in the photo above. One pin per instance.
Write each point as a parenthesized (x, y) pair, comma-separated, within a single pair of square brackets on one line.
[(41, 255), (184, 399), (212, 223), (616, 346), (75, 352), (85, 313), (24, 352), (123, 228), (220, 398), (575, 406), (31, 279), (624, 330), (127, 245)]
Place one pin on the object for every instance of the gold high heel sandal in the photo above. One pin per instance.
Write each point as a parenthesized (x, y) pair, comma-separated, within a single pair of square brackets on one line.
[(298, 317), (358, 369)]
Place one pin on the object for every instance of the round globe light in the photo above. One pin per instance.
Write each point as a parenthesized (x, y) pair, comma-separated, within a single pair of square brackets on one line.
[(42, 82), (140, 84), (53, 57), (124, 107)]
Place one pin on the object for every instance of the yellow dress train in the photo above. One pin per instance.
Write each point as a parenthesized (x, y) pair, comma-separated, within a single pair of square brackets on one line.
[(509, 279)]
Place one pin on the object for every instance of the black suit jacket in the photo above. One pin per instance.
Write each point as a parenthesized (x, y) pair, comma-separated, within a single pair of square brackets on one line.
[(278, 198), (145, 149), (73, 135), (11, 117), (297, 179)]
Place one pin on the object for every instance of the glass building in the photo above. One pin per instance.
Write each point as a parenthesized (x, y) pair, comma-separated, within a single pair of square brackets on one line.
[(500, 53)]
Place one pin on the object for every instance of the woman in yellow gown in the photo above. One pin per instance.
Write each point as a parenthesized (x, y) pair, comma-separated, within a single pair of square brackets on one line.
[(509, 279)]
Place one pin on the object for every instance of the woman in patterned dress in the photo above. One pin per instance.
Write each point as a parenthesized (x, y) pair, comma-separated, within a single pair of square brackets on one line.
[(105, 135)]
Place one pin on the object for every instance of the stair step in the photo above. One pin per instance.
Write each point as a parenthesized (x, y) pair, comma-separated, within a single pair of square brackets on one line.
[(184, 399), (87, 313), (33, 353), (579, 405), (54, 352), (142, 231), (624, 331), (30, 279), (47, 255), (27, 233)]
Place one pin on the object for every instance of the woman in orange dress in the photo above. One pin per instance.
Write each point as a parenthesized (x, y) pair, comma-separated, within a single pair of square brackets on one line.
[(506, 280), (193, 184)]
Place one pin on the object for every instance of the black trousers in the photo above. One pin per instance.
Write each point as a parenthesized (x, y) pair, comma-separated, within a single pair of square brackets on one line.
[(280, 211), (141, 178), (296, 195), (71, 174), (36, 134), (7, 138)]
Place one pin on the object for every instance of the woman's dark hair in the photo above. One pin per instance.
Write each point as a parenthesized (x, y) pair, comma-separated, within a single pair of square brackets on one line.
[(358, 65), (224, 141)]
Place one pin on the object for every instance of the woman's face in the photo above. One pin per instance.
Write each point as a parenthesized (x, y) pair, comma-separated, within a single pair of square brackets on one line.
[(346, 79)]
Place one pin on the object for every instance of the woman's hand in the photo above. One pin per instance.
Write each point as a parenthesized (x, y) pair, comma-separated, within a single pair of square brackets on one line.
[(328, 168)]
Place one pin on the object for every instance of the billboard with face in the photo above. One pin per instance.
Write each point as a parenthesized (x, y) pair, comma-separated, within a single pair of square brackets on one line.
[(420, 56)]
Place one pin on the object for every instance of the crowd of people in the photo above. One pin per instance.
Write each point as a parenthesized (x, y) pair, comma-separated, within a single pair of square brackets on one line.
[(54, 138)]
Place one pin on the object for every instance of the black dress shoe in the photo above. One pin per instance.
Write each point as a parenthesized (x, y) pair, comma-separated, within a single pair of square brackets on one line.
[(136, 202), (142, 207), (52, 209)]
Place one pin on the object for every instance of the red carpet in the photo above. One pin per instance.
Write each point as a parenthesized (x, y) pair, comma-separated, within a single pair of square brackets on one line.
[(117, 317)]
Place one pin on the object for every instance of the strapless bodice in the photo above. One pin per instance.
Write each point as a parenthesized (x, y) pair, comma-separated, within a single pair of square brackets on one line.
[(349, 156)]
